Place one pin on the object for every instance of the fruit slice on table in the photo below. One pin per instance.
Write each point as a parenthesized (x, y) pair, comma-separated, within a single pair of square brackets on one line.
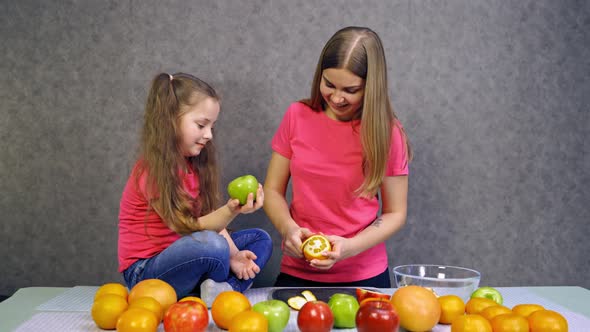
[(296, 302), (314, 246), (362, 294), (308, 295)]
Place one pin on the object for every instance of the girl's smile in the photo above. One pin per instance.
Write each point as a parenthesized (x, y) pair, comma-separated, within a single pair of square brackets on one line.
[(343, 93)]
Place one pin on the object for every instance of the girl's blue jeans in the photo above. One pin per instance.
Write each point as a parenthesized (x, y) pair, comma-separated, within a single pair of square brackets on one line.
[(190, 260)]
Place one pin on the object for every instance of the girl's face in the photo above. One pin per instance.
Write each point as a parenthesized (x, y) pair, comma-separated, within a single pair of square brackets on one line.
[(196, 126), (343, 93)]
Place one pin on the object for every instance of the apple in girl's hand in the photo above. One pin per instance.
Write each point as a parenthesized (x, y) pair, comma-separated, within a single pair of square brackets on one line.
[(240, 187), (276, 312), (344, 307)]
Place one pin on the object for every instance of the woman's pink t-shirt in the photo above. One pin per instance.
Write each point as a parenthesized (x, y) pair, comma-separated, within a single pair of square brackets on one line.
[(326, 169), (142, 233)]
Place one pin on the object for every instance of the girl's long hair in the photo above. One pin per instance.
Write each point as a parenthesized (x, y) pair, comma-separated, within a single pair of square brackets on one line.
[(162, 160), (360, 51)]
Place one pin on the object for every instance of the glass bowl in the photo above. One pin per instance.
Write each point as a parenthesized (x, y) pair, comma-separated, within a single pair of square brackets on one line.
[(444, 280)]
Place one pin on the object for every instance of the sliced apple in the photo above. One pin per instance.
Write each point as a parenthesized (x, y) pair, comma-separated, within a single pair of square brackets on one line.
[(363, 294), (296, 302), (309, 295)]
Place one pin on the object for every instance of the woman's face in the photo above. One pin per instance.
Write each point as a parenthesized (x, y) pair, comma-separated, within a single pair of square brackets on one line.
[(343, 93), (196, 126)]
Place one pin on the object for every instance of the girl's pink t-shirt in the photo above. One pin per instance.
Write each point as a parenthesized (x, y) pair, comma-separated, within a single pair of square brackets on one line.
[(142, 233), (326, 169)]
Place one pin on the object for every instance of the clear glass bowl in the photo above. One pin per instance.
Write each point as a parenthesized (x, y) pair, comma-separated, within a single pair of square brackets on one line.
[(442, 279)]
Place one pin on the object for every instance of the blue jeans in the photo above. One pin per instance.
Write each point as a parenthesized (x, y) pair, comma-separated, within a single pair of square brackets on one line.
[(187, 262)]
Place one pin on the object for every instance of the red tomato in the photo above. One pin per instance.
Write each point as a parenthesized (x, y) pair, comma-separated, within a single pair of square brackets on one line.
[(362, 294), (186, 316), (377, 315), (315, 316)]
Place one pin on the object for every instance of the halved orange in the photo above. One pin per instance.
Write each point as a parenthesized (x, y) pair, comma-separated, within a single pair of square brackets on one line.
[(314, 246)]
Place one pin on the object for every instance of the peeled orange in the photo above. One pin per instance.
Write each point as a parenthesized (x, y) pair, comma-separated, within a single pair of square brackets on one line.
[(314, 246)]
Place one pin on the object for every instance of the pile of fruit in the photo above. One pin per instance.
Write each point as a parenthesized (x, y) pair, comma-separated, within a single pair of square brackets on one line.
[(414, 308), (485, 312)]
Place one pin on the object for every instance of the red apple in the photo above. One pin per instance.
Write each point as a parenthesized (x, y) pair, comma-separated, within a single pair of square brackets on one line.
[(186, 316), (377, 315), (315, 316)]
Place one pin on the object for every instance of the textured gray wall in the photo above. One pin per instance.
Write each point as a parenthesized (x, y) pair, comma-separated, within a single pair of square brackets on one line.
[(494, 96)]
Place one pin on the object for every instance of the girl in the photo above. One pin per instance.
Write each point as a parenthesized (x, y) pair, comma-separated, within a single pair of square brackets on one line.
[(171, 225), (342, 150)]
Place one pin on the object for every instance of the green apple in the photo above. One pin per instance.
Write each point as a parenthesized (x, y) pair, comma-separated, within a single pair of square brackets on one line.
[(488, 293), (276, 312), (240, 187), (344, 307)]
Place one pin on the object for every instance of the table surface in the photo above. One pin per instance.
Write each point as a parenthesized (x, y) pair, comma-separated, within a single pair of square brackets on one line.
[(23, 304)]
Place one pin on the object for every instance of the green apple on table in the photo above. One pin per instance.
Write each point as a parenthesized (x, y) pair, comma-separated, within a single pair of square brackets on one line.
[(488, 293), (344, 307), (240, 187), (276, 312)]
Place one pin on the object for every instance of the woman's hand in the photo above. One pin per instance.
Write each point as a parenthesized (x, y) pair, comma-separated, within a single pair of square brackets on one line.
[(293, 239), (336, 254), (243, 266), (250, 206)]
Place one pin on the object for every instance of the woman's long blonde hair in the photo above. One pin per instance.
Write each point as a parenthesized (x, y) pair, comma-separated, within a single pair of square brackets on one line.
[(360, 51), (161, 158)]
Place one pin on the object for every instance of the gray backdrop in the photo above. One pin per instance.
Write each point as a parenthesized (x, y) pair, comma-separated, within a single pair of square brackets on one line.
[(494, 95)]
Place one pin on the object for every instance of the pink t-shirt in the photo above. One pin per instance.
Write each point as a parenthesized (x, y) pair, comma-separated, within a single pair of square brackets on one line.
[(142, 233), (325, 164)]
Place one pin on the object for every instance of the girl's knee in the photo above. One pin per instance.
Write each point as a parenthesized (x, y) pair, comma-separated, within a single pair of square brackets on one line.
[(263, 235)]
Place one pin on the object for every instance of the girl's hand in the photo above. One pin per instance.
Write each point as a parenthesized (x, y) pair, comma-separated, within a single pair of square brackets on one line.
[(250, 206), (243, 266), (293, 239), (336, 254)]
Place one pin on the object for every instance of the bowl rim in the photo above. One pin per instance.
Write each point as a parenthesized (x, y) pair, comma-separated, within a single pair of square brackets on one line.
[(395, 271)]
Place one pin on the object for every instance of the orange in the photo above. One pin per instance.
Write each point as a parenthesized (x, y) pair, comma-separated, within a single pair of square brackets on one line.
[(107, 309), (314, 245), (193, 298), (526, 309), (509, 323), (226, 306), (137, 320), (111, 288), (471, 323), (476, 304), (547, 321), (150, 304), (451, 307), (249, 321), (417, 308), (156, 288), (493, 311)]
